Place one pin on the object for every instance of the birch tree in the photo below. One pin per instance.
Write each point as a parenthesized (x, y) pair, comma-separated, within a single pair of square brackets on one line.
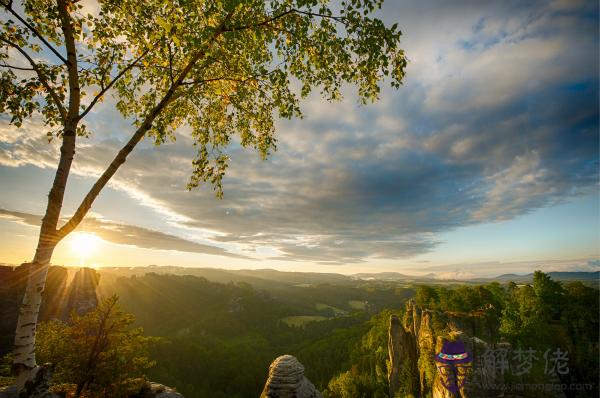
[(221, 67)]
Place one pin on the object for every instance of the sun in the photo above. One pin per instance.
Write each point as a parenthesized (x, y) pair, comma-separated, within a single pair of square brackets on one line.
[(83, 244)]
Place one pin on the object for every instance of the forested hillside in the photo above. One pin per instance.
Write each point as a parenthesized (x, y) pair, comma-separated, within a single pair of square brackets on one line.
[(219, 339), (538, 340)]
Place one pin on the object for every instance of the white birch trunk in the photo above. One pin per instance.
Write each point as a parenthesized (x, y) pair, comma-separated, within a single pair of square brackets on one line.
[(24, 346)]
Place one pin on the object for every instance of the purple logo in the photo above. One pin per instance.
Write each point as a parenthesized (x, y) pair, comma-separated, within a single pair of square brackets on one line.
[(453, 364)]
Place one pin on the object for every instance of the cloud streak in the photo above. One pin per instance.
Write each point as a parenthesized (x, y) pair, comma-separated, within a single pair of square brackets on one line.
[(130, 235)]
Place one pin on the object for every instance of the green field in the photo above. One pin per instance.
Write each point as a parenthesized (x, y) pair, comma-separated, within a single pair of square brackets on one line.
[(302, 320), (336, 311), (357, 304)]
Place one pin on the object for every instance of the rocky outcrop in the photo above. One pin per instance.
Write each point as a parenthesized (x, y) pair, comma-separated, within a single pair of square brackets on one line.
[(9, 392), (287, 380), (402, 350), (156, 390), (417, 338), (82, 296), (60, 298), (12, 288), (438, 389), (36, 386), (54, 293), (425, 344), (416, 320), (412, 318)]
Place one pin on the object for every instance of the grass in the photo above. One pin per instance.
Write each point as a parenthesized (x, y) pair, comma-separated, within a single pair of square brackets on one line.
[(357, 304), (302, 320), (336, 311)]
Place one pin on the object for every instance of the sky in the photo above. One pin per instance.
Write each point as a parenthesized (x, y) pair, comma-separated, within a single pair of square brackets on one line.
[(484, 162)]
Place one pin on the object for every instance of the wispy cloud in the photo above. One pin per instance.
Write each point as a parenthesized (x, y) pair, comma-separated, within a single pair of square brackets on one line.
[(130, 235)]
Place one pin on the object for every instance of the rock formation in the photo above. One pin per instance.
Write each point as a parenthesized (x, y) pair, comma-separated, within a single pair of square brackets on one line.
[(59, 298), (12, 288), (426, 348), (37, 386), (438, 389), (416, 320), (415, 340), (402, 351), (82, 296), (287, 380), (156, 390)]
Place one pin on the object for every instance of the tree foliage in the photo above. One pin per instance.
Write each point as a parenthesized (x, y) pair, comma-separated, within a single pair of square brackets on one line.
[(220, 67), (99, 353), (367, 376)]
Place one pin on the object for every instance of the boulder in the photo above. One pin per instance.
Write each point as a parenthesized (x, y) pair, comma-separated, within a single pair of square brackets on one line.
[(157, 390), (36, 386), (9, 392), (287, 380)]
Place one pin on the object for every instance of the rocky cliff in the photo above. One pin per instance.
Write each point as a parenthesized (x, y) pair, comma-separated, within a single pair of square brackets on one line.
[(413, 343), (60, 296), (81, 296), (403, 360)]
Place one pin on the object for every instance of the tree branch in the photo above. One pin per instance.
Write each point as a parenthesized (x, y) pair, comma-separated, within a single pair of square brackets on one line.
[(265, 22), (283, 14), (316, 14), (105, 89), (9, 8), (215, 79), (232, 79), (170, 64), (15, 67), (121, 157), (41, 76)]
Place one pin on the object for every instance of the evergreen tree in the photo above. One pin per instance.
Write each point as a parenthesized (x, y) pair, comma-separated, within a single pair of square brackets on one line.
[(99, 353)]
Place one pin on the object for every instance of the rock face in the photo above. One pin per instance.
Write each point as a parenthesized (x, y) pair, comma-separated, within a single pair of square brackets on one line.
[(58, 302), (287, 380), (402, 351), (12, 287), (426, 348), (413, 343), (82, 296), (156, 390), (37, 386), (9, 392), (438, 389)]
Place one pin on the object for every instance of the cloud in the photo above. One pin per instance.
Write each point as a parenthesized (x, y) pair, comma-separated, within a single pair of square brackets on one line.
[(498, 117), (488, 269), (129, 235), (518, 187)]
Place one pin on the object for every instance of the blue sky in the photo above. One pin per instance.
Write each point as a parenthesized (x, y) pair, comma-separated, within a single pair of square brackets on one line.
[(484, 162)]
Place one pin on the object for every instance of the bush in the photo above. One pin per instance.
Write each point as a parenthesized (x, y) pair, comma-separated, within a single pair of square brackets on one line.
[(96, 354)]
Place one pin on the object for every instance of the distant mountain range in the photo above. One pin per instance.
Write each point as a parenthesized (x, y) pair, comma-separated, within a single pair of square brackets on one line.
[(557, 276), (266, 277), (269, 278), (432, 278)]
